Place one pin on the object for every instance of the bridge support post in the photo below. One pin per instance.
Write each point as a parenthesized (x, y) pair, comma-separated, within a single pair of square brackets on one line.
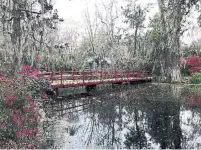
[(57, 92), (116, 84), (90, 88), (135, 82)]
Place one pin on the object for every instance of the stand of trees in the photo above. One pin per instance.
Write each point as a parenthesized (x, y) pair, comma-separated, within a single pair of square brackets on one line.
[(30, 29)]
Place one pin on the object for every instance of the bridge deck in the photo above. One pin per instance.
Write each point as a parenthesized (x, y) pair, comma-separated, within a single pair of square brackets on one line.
[(83, 78), (95, 82)]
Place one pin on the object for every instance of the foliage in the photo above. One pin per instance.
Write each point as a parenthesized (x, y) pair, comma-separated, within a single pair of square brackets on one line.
[(193, 64), (154, 41), (193, 49), (19, 116), (30, 29), (135, 16), (196, 78), (27, 27)]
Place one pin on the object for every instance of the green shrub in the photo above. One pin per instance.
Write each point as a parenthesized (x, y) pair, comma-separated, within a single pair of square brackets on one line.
[(196, 78)]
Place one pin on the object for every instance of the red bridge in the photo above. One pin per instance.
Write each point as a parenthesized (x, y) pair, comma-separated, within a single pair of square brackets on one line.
[(64, 79)]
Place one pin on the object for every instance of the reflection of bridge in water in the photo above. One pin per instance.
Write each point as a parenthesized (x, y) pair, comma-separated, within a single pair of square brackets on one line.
[(141, 117), (69, 105), (60, 108)]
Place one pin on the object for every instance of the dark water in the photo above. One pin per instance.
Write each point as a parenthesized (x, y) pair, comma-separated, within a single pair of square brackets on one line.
[(145, 116)]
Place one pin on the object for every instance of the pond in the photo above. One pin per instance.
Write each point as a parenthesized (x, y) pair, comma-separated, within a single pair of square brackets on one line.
[(141, 116)]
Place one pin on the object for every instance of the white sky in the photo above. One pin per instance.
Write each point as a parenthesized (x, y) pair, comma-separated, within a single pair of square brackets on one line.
[(72, 12), (70, 9), (73, 9)]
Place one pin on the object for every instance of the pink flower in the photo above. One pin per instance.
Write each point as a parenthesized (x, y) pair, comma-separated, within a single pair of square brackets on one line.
[(12, 98), (28, 97), (25, 118), (19, 79), (31, 107), (30, 121), (7, 92), (24, 131), (30, 146), (5, 101), (33, 74), (25, 109), (44, 96), (16, 111), (19, 123), (37, 58), (30, 131), (15, 118), (36, 117), (27, 70), (3, 125), (10, 113), (18, 134), (11, 103), (36, 131)]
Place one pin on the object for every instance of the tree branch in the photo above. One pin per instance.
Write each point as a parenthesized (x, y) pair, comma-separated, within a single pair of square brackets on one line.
[(34, 12), (10, 19), (40, 41)]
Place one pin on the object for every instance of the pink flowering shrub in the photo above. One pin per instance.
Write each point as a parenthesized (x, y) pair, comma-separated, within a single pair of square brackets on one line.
[(19, 116), (27, 71), (193, 64)]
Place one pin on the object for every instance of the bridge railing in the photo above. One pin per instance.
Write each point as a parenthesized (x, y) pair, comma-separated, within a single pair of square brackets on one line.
[(82, 77)]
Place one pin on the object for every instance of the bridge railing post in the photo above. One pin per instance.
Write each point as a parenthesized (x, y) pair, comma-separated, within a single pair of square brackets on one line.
[(101, 75), (122, 75), (61, 77), (115, 74), (146, 75), (137, 74), (128, 75), (91, 74), (134, 75), (105, 75), (109, 74), (83, 76), (52, 76), (73, 76)]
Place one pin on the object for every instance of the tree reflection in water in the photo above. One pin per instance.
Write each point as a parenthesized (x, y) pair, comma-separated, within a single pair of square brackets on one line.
[(142, 117), (163, 118)]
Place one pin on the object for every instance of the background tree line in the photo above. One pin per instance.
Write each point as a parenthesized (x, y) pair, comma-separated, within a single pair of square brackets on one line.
[(114, 36)]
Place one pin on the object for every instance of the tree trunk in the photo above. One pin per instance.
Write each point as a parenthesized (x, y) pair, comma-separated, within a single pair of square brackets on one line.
[(175, 72), (135, 40), (164, 54), (170, 70), (16, 37)]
